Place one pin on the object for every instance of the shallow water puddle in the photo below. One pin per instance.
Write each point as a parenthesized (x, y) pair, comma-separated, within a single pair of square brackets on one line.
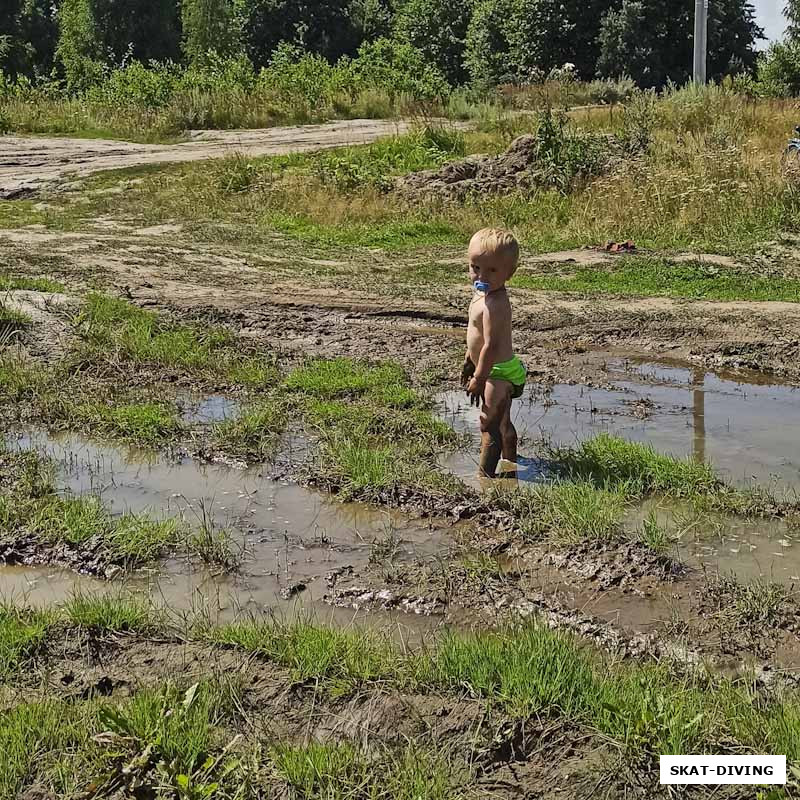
[(747, 427), (205, 410), (288, 535), (748, 548)]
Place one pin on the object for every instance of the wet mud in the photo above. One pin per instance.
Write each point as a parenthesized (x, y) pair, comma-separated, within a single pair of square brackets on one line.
[(293, 541)]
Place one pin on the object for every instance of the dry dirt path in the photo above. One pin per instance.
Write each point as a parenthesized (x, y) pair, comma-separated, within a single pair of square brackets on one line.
[(28, 163)]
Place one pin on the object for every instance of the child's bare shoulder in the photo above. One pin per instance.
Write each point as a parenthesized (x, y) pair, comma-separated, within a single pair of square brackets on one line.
[(498, 302)]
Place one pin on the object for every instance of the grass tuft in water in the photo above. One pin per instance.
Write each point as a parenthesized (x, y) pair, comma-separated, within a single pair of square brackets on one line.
[(254, 433), (654, 535), (565, 511), (113, 613), (610, 461), (145, 423), (29, 506)]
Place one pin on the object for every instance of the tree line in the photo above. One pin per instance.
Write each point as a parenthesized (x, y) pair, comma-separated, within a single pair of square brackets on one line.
[(477, 42)]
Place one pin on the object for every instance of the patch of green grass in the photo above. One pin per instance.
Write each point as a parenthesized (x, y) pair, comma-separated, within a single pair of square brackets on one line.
[(22, 634), (112, 613), (391, 236), (378, 436), (337, 378), (415, 423), (10, 318), (144, 423), (74, 520), (612, 462), (35, 740), (565, 511), (19, 382), (345, 658), (659, 277), (654, 535), (341, 771), (532, 671), (254, 433), (18, 213), (114, 329), (11, 283)]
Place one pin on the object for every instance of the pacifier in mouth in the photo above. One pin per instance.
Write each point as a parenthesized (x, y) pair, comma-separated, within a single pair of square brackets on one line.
[(481, 286)]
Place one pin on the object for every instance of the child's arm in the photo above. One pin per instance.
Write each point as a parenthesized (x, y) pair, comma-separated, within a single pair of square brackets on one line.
[(467, 371)]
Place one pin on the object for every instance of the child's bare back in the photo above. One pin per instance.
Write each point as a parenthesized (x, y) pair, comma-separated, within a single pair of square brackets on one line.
[(493, 375)]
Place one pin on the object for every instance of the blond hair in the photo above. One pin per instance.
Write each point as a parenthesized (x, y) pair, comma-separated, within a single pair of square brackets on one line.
[(497, 241)]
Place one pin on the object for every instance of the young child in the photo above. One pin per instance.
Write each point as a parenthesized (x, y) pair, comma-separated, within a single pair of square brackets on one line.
[(492, 375)]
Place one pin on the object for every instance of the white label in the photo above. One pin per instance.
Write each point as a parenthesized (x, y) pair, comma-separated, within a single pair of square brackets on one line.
[(723, 769)]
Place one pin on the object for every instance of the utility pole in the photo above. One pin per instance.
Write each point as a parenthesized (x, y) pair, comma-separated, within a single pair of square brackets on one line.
[(700, 40)]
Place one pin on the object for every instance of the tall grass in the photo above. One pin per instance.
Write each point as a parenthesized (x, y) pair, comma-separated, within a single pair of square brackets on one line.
[(709, 178)]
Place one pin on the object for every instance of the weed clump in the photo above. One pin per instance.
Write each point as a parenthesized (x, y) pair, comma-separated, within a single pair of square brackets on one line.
[(115, 331), (566, 512), (22, 634), (637, 469), (378, 436)]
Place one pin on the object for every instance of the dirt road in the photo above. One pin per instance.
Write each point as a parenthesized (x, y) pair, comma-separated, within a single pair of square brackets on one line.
[(328, 307), (28, 163)]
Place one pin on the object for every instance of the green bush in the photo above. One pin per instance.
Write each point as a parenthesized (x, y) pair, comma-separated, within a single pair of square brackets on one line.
[(779, 70), (138, 85), (398, 68), (376, 165)]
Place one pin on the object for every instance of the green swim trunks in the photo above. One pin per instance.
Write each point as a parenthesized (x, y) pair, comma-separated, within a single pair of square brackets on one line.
[(512, 371)]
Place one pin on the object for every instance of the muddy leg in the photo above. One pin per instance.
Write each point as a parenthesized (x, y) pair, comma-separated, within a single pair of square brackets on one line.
[(508, 435), (496, 398)]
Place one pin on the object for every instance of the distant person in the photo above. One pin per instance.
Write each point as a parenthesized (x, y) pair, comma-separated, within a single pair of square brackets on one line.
[(492, 375)]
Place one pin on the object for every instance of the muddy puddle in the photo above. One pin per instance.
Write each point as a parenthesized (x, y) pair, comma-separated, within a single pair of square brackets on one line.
[(744, 424), (288, 536), (747, 427)]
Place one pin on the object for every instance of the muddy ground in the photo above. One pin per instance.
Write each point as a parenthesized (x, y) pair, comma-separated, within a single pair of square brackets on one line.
[(352, 306), (627, 601), (284, 298)]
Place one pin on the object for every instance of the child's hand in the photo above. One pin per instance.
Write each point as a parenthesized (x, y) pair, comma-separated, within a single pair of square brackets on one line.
[(475, 389), (467, 371)]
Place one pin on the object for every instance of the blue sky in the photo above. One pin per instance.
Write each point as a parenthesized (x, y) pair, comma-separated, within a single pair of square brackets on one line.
[(769, 14)]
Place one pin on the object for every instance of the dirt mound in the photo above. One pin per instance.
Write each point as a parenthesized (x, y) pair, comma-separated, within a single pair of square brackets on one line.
[(526, 164)]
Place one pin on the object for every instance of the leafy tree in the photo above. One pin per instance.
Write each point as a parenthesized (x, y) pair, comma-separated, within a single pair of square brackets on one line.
[(371, 19), (652, 41), (779, 71), (318, 26), (208, 26), (438, 28), (487, 47), (29, 33), (519, 39), (95, 34), (792, 13), (79, 49), (732, 34)]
